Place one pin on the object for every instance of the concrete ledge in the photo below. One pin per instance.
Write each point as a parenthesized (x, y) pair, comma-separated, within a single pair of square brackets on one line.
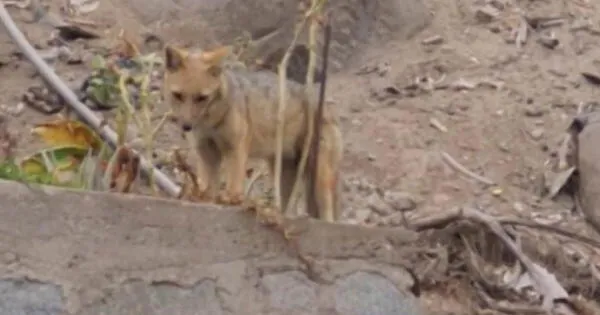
[(68, 252)]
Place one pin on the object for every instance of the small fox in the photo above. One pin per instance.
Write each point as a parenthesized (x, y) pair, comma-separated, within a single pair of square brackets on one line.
[(231, 114)]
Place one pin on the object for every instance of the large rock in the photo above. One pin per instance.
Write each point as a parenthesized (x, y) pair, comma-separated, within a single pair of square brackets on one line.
[(356, 24), (65, 252), (588, 165)]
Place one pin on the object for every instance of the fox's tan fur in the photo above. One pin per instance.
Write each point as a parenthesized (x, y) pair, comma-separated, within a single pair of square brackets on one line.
[(231, 114)]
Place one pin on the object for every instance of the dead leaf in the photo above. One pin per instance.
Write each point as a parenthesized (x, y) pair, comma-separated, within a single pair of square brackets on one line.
[(591, 77), (190, 190), (68, 132), (83, 6), (126, 47), (73, 32), (124, 170), (560, 180)]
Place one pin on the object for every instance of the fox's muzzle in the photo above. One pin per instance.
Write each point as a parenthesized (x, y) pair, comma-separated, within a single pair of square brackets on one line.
[(185, 126)]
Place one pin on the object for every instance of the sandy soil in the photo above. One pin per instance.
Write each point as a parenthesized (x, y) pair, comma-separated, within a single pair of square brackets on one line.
[(503, 129)]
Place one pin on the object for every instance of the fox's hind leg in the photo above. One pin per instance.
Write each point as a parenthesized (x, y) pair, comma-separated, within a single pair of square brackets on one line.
[(288, 177), (327, 182)]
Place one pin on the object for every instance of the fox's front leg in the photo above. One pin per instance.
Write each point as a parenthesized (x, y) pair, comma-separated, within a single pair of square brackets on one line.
[(208, 162), (235, 161)]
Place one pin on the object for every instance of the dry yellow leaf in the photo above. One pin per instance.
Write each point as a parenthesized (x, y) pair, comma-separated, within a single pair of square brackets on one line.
[(67, 132)]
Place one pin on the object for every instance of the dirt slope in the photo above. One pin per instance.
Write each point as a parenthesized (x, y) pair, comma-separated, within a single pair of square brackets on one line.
[(503, 129)]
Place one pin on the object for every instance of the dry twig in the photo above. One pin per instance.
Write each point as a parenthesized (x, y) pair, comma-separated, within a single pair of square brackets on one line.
[(546, 284), (282, 70), (311, 203), (459, 167)]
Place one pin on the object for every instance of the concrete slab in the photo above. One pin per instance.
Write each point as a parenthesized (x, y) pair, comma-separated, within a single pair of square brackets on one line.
[(69, 252)]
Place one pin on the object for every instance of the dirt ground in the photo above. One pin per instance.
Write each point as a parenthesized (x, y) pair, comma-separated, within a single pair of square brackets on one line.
[(504, 129)]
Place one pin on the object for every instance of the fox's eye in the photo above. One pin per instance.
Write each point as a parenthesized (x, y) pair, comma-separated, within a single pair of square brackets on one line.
[(178, 96), (200, 98)]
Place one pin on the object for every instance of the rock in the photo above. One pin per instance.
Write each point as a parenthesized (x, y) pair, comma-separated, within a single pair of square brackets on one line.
[(486, 13), (358, 24), (400, 201), (534, 111), (376, 203), (361, 215), (98, 256), (363, 185), (537, 133), (433, 40), (15, 110), (22, 296)]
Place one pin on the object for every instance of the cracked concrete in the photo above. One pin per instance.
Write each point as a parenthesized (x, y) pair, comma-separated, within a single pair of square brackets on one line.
[(69, 252)]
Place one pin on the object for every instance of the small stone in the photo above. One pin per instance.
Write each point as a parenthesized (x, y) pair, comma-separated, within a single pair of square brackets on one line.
[(503, 146), (361, 215), (371, 157), (548, 42), (364, 186), (497, 191), (486, 13), (534, 111), (537, 133), (375, 203), (433, 40), (400, 201), (499, 4), (372, 218), (519, 207)]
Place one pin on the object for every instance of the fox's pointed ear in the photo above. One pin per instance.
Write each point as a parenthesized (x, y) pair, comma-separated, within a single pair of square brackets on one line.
[(214, 59), (216, 56), (174, 58)]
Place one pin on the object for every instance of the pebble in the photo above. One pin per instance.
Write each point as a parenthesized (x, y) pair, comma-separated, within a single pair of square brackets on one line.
[(486, 13), (519, 207), (375, 203), (534, 111), (361, 215), (15, 110), (400, 201), (537, 133), (433, 40)]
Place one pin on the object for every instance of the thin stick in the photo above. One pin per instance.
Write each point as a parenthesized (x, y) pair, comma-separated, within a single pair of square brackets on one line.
[(71, 99), (316, 6), (457, 166), (282, 70), (547, 286), (313, 162)]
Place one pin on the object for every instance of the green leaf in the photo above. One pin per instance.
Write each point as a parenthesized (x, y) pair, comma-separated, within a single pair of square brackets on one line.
[(10, 170), (61, 158), (98, 62)]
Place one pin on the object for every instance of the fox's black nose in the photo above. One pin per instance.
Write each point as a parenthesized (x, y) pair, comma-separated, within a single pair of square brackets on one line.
[(186, 127)]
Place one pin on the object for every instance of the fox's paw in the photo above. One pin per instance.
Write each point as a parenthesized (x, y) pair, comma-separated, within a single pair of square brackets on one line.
[(230, 199)]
